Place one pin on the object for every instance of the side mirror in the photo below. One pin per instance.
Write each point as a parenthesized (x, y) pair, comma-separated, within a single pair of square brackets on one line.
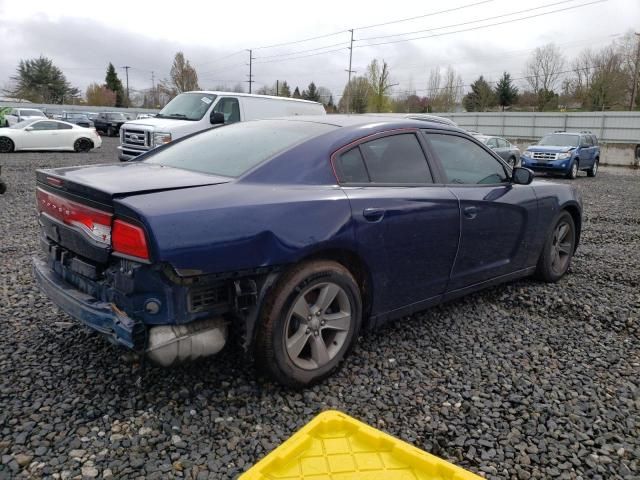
[(522, 176), (216, 118), (28, 129)]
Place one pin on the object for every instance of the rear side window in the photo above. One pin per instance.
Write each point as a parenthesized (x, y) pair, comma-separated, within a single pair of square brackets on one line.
[(396, 159), (464, 162), (234, 149), (64, 126), (502, 143), (351, 167)]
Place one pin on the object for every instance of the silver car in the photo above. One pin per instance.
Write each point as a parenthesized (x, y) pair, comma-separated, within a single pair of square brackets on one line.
[(508, 151)]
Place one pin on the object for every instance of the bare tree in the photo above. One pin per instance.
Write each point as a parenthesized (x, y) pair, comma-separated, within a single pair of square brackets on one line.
[(183, 76), (433, 85), (444, 91), (544, 68), (379, 79), (355, 96)]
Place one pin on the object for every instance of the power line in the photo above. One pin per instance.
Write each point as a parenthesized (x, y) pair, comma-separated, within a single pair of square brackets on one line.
[(300, 41), (424, 16), (302, 51), (483, 26), (303, 56), (469, 22)]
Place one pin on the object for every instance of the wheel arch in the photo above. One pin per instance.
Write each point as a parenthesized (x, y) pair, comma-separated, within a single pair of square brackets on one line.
[(357, 267), (574, 211)]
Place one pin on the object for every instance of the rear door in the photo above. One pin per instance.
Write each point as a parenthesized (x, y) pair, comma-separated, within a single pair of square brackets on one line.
[(497, 217), (406, 226)]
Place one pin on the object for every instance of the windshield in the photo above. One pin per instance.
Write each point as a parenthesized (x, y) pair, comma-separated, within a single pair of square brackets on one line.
[(233, 150), (76, 115), (22, 124), (116, 116), (559, 140), (188, 106), (31, 113)]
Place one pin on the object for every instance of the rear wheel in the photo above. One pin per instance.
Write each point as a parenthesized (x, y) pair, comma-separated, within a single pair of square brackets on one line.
[(592, 172), (573, 170), (558, 249), (82, 145), (110, 132), (3, 187), (6, 145), (309, 323)]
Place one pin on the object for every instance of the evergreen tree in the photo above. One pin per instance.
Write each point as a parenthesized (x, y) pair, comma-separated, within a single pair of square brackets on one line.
[(114, 84), (285, 91), (480, 98), (296, 93), (311, 93), (39, 80), (506, 91)]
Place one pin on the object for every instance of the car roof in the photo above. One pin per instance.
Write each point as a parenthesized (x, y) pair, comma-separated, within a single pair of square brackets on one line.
[(235, 94), (364, 120)]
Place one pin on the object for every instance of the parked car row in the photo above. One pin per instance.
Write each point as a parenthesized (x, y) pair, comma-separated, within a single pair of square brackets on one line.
[(292, 234)]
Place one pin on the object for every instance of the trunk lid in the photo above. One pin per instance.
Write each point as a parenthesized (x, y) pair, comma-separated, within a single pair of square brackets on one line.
[(102, 183)]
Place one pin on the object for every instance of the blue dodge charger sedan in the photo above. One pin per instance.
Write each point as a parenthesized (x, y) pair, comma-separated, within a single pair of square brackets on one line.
[(292, 235)]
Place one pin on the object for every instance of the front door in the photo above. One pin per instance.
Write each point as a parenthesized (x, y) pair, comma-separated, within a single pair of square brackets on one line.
[(407, 228), (44, 135), (496, 215)]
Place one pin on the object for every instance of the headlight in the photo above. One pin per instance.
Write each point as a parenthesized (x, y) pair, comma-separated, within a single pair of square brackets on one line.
[(527, 153), (562, 156), (160, 138)]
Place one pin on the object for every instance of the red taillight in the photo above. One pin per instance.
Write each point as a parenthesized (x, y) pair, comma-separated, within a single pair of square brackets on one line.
[(95, 223), (128, 239)]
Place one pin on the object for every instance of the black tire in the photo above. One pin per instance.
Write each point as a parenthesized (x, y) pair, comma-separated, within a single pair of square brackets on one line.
[(572, 174), (6, 145), (83, 145), (3, 187), (110, 132), (278, 316), (512, 162), (593, 171), (558, 249)]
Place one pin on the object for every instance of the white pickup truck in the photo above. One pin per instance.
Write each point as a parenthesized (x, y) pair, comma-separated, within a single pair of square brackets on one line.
[(193, 112)]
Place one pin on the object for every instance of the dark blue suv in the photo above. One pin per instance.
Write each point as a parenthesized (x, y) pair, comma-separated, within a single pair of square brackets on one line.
[(565, 153)]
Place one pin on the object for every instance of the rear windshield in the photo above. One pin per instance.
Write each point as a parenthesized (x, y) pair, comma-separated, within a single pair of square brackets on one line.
[(234, 149), (31, 113), (559, 140)]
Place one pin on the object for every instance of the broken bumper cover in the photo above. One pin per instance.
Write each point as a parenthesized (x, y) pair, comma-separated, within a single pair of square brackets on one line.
[(103, 317)]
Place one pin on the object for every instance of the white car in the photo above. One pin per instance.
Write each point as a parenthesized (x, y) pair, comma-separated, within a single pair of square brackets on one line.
[(48, 135), (18, 115)]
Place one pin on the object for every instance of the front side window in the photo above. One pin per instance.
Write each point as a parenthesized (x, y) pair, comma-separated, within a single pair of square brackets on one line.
[(45, 125), (235, 149), (492, 143), (230, 108), (502, 143), (465, 162), (396, 159), (188, 106)]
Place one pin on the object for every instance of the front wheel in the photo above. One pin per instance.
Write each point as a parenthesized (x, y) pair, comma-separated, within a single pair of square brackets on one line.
[(6, 145), (512, 162), (593, 171), (558, 249), (309, 323), (572, 174)]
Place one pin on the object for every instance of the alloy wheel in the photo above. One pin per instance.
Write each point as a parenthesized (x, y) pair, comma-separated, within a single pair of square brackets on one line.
[(317, 325), (562, 247)]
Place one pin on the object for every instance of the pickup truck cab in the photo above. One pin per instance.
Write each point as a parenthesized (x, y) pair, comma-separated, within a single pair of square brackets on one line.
[(192, 112), (565, 153)]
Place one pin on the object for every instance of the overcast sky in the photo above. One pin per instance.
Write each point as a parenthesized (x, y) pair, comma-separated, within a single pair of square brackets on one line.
[(83, 36)]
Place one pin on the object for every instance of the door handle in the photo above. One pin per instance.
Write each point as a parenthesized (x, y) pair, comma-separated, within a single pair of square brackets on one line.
[(470, 212), (373, 214)]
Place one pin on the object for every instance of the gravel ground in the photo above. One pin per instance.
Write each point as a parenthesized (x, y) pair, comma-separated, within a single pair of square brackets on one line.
[(525, 380)]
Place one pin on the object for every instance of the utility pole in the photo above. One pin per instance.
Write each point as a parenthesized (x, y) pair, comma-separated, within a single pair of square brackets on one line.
[(634, 90), (126, 69), (153, 89), (250, 81), (350, 72), (277, 88)]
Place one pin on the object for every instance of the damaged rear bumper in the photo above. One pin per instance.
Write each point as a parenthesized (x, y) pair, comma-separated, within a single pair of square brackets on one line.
[(103, 317)]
